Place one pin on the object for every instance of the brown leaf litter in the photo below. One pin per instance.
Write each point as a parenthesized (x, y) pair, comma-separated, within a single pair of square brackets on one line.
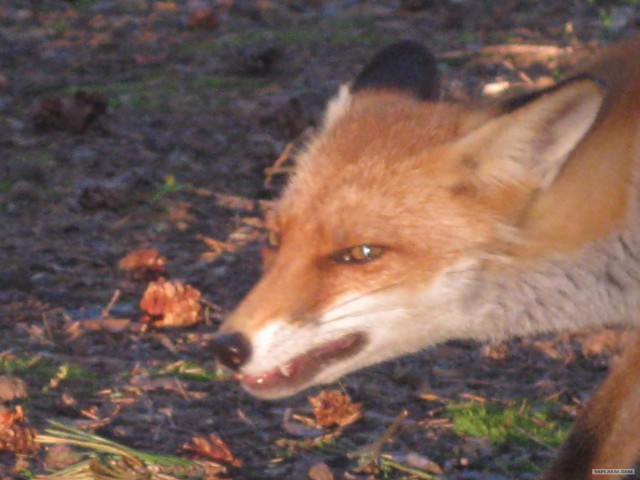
[(334, 408), (144, 264), (71, 113), (213, 448), (15, 435), (170, 304)]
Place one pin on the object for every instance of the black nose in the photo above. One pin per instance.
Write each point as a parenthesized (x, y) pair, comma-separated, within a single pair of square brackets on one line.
[(232, 350)]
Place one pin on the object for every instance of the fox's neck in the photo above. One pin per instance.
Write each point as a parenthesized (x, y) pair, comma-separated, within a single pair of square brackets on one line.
[(600, 286)]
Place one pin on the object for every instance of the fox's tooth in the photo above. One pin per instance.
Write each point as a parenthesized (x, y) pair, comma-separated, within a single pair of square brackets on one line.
[(285, 371)]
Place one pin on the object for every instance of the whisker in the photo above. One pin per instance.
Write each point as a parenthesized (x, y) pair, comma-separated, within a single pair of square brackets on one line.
[(364, 313), (362, 295), (460, 271), (335, 330)]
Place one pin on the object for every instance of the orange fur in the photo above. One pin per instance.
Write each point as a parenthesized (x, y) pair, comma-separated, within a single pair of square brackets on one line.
[(590, 195), (607, 434), (508, 219)]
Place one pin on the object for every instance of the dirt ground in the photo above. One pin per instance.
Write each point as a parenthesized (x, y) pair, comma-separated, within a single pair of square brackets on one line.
[(149, 124)]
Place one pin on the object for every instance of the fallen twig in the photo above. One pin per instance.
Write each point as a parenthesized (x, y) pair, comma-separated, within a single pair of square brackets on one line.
[(370, 453), (539, 51), (114, 299), (388, 462), (277, 167)]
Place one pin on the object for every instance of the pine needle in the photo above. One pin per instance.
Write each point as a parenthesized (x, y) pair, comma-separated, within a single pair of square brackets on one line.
[(92, 469), (388, 462), (63, 434)]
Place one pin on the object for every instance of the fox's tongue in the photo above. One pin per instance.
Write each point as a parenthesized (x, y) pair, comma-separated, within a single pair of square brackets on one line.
[(303, 368)]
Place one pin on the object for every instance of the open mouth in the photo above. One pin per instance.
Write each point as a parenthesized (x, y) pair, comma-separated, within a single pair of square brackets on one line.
[(298, 372)]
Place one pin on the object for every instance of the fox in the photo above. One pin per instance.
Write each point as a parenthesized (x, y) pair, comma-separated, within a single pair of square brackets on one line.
[(411, 220)]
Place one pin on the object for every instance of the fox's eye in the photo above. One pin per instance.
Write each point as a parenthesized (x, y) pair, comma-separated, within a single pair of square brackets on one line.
[(273, 239), (359, 254)]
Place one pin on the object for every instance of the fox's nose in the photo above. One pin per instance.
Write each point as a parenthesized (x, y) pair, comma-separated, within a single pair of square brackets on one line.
[(232, 350)]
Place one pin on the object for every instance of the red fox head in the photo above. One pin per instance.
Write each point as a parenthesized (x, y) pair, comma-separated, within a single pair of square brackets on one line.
[(377, 246)]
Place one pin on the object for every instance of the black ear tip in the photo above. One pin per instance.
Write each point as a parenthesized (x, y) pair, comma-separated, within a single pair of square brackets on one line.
[(511, 104), (406, 66), (408, 47)]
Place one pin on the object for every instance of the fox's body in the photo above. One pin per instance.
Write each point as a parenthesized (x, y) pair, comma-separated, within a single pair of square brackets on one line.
[(411, 221)]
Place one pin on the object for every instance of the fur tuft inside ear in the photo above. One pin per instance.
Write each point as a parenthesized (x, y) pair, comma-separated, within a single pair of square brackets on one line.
[(533, 142), (337, 107)]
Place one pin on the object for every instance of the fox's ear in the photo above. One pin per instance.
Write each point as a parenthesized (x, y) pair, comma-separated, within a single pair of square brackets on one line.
[(531, 141), (406, 67)]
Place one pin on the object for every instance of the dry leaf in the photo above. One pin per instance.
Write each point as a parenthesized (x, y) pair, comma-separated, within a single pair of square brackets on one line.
[(15, 435), (12, 388), (213, 448), (144, 263), (165, 6), (170, 304), (495, 351), (299, 426), (553, 350), (146, 384), (332, 407), (73, 113), (204, 19), (602, 342), (235, 202), (258, 59), (416, 460), (109, 324), (320, 471), (132, 187), (59, 456)]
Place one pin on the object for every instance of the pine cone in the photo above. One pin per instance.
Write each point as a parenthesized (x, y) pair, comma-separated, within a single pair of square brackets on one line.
[(15, 435)]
